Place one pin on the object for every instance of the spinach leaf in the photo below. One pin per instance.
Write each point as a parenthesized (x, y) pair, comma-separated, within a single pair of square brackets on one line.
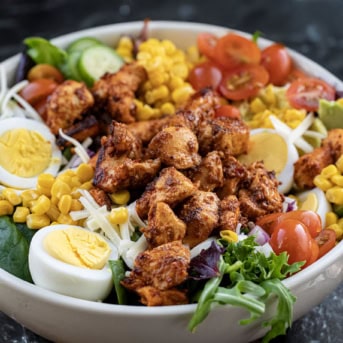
[(118, 274), (14, 250)]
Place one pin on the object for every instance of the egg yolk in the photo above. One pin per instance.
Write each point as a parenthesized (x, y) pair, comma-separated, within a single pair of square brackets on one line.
[(268, 147), (24, 153), (78, 247)]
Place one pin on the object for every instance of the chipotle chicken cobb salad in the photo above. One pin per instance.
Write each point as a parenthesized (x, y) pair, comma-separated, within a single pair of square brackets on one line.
[(142, 173)]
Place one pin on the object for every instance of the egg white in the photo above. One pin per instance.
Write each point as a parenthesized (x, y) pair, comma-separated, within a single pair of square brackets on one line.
[(50, 273), (323, 204), (286, 175), (11, 180)]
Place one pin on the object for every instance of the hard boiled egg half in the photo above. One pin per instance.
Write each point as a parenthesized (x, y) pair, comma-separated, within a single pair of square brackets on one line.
[(73, 261), (27, 149), (277, 153)]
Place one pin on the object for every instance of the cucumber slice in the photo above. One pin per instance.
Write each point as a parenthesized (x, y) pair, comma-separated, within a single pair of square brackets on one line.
[(82, 44), (72, 66), (96, 61)]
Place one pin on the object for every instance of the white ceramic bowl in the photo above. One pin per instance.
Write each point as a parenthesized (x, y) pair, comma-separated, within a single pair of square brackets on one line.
[(65, 319)]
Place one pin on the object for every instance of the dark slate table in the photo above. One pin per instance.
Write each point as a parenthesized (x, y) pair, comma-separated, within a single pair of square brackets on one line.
[(312, 27)]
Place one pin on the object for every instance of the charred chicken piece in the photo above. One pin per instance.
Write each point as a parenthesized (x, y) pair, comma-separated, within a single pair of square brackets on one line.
[(175, 146), (163, 268), (334, 141), (231, 136), (101, 197), (201, 215), (229, 213), (163, 226), (151, 296), (170, 187), (66, 104), (119, 165), (258, 194), (209, 174), (115, 92)]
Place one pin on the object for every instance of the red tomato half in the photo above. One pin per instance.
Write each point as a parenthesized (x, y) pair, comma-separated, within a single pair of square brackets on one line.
[(310, 219), (278, 63), (206, 43), (293, 237), (205, 75), (243, 82), (326, 240), (228, 111), (233, 50), (38, 90), (304, 93)]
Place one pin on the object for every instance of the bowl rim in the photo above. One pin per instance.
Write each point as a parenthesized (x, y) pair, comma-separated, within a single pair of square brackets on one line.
[(48, 296)]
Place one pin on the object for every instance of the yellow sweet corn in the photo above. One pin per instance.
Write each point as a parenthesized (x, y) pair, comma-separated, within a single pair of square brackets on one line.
[(331, 218), (335, 195), (321, 182), (12, 196), (20, 214), (41, 205), (339, 164), (120, 197), (64, 204), (6, 208), (118, 215), (37, 221), (84, 172)]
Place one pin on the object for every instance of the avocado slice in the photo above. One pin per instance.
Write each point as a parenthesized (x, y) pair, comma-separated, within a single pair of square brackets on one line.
[(331, 113)]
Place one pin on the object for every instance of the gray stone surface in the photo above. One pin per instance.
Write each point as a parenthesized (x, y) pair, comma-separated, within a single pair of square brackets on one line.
[(312, 27)]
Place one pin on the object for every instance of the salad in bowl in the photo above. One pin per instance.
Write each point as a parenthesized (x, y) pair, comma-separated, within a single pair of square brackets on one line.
[(167, 179)]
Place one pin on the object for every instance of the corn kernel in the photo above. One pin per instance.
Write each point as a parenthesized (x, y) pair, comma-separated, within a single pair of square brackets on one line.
[(43, 190), (11, 195), (257, 105), (45, 180), (331, 218), (41, 205), (64, 203), (269, 96), (180, 70), (120, 197), (65, 219), (76, 205), (182, 94), (168, 46), (335, 195), (175, 82), (28, 196), (53, 212), (167, 108), (85, 172), (337, 180), (60, 188), (37, 221), (65, 177), (338, 230), (87, 185), (6, 208), (339, 164), (20, 214), (118, 215), (329, 171), (229, 235), (322, 183)]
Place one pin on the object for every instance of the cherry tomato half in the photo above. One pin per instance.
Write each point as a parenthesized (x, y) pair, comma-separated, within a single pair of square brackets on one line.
[(326, 240), (292, 236), (45, 71), (205, 75), (38, 90), (243, 82), (296, 74), (228, 111), (304, 93), (206, 43), (233, 50), (310, 219), (278, 63)]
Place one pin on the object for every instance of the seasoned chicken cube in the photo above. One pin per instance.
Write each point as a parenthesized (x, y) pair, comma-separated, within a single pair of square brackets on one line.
[(66, 104), (229, 213), (209, 174), (163, 225), (176, 146), (231, 136), (119, 165), (116, 91), (258, 194), (334, 141), (151, 296), (201, 215), (163, 267), (309, 165), (101, 197), (170, 187)]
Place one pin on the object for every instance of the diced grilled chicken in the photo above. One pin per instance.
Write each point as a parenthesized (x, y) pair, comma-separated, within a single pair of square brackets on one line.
[(201, 215), (209, 174), (151, 296), (119, 165), (100, 197), (116, 91), (309, 165), (175, 146), (229, 213), (66, 104), (258, 194), (163, 267), (163, 225), (334, 141), (231, 136), (170, 187)]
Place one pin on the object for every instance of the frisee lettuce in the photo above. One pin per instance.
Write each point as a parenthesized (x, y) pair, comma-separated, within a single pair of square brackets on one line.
[(251, 278)]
